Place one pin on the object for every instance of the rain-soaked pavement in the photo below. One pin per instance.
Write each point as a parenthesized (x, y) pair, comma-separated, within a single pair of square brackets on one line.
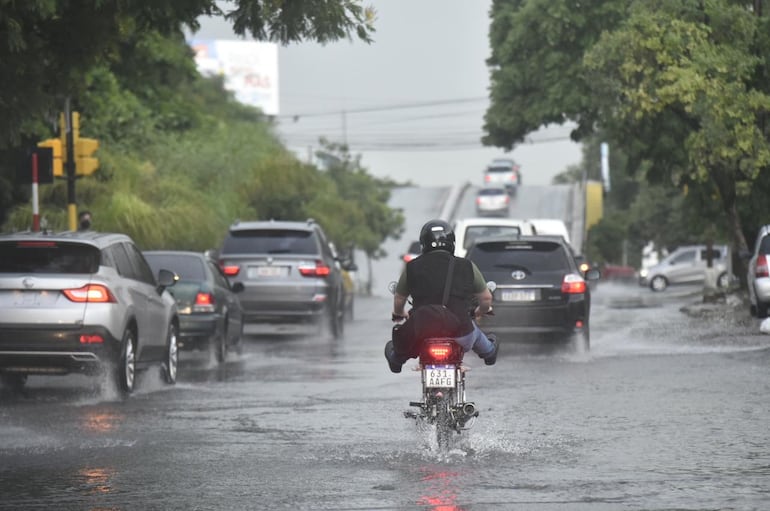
[(668, 411)]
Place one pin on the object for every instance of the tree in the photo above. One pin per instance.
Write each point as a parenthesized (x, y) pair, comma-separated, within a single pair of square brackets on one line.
[(48, 46)]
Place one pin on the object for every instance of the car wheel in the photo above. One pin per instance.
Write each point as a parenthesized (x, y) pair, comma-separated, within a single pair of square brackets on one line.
[(220, 344), (336, 313), (349, 311), (126, 368), (14, 382), (762, 309), (172, 355), (580, 343), (658, 283), (723, 281)]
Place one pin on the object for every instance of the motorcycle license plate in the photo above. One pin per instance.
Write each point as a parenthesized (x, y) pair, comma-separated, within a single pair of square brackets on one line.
[(442, 376)]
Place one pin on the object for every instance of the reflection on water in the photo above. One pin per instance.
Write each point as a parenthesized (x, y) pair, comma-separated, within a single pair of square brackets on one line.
[(96, 480), (440, 492), (101, 421)]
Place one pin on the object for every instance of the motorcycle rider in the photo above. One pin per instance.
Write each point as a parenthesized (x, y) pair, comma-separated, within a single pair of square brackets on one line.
[(424, 279)]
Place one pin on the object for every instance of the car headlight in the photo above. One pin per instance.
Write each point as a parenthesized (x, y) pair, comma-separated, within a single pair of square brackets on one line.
[(643, 273)]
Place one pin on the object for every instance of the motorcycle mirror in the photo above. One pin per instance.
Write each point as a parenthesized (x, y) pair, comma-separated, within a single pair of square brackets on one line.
[(392, 287), (491, 285)]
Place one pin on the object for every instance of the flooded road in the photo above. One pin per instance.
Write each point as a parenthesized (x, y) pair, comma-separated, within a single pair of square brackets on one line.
[(668, 411)]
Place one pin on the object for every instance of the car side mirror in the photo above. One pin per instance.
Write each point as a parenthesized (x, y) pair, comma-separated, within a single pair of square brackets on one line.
[(593, 274), (166, 279)]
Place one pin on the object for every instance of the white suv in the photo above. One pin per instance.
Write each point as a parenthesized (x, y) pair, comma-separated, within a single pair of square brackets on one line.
[(468, 229), (82, 302)]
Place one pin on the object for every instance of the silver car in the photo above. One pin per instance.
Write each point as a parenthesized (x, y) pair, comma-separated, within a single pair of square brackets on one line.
[(687, 265), (758, 274), (83, 302), (289, 272)]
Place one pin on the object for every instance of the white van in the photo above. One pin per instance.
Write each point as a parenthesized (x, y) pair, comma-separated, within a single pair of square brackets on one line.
[(468, 229), (550, 226)]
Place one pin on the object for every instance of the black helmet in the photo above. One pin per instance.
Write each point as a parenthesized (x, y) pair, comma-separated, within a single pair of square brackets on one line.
[(437, 235)]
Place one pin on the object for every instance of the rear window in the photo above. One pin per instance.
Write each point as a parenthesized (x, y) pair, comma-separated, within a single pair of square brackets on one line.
[(764, 247), (38, 256), (500, 169), (492, 191), (187, 267), (471, 233), (270, 241), (534, 256)]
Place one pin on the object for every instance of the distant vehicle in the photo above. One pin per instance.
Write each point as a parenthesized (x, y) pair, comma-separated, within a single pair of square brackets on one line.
[(415, 249), (541, 295), (503, 172), (493, 200), (83, 302), (210, 314), (289, 271), (468, 229), (550, 226), (758, 274), (687, 265)]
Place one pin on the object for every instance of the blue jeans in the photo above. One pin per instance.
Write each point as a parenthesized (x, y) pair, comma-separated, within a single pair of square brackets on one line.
[(476, 341)]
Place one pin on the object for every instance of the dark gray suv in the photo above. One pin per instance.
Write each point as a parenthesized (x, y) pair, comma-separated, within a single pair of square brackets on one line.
[(82, 302), (289, 273)]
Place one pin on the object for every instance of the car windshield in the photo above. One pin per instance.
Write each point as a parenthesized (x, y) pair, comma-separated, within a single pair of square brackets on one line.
[(471, 233), (270, 241), (542, 256), (42, 256), (187, 267)]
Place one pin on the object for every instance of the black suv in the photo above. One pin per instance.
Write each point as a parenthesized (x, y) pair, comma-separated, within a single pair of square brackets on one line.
[(541, 294), (289, 273)]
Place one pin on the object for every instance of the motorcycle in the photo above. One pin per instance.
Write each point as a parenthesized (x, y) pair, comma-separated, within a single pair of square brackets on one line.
[(444, 404)]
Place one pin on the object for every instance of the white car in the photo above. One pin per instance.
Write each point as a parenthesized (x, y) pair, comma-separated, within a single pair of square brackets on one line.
[(550, 226), (493, 200), (468, 229), (758, 275)]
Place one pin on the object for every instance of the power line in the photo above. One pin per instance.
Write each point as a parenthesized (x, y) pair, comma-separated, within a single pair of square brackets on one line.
[(384, 108)]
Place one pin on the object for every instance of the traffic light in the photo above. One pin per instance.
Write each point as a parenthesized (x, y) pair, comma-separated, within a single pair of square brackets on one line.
[(57, 163), (85, 163)]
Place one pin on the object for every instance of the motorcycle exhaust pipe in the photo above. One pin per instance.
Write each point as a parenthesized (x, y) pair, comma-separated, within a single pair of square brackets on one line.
[(469, 409)]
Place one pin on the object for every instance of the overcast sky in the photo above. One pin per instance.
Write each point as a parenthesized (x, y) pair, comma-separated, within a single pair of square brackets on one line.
[(412, 102)]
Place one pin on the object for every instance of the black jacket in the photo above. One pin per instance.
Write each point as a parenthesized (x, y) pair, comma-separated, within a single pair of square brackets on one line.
[(426, 278)]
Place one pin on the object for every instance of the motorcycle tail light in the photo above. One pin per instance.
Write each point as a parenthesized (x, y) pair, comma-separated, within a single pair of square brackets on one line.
[(319, 269), (90, 293), (762, 268), (573, 284), (446, 352)]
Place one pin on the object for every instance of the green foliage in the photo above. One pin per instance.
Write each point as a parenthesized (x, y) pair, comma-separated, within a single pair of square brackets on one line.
[(180, 159), (679, 88)]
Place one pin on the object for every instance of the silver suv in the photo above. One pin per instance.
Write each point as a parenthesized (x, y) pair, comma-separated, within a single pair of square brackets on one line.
[(83, 302), (289, 273), (503, 172), (758, 274)]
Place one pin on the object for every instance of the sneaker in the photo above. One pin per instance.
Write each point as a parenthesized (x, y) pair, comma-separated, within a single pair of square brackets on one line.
[(395, 367), (492, 357)]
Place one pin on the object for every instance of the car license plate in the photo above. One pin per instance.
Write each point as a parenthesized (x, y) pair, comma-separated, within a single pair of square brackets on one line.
[(440, 376), (269, 271), (519, 295)]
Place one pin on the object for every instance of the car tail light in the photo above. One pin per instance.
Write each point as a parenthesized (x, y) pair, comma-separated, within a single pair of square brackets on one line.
[(231, 270), (319, 269), (90, 293), (91, 339), (487, 178), (573, 284), (204, 302), (761, 267), (408, 257)]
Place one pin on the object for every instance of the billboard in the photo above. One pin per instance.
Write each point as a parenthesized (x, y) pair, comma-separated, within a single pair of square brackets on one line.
[(249, 68)]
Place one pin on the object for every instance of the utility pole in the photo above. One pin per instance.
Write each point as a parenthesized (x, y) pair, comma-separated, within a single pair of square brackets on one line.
[(69, 165)]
